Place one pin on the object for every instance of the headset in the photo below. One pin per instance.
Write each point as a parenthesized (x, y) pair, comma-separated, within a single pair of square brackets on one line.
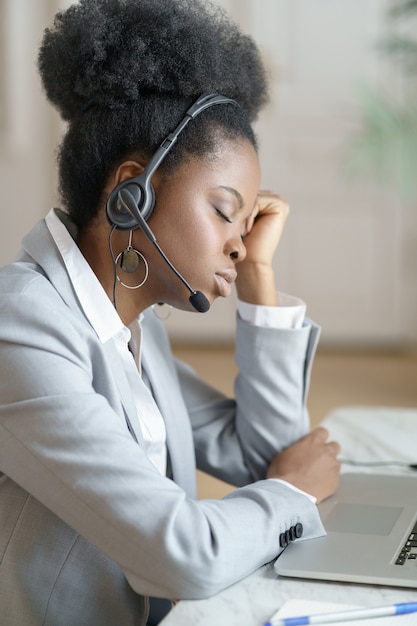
[(131, 203)]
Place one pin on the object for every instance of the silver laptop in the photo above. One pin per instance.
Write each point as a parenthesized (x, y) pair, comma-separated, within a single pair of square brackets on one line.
[(371, 526)]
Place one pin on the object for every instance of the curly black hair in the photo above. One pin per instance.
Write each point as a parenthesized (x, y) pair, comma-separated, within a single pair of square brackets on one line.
[(123, 72)]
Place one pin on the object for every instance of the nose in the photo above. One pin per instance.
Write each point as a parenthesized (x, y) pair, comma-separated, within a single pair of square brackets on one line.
[(235, 248)]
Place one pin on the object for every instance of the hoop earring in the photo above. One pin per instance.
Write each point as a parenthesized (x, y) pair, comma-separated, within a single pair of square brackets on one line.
[(129, 263)]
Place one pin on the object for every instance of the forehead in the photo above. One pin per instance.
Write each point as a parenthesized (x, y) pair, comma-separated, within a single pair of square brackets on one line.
[(234, 167)]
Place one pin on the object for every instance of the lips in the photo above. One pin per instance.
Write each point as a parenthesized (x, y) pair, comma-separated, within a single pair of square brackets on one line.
[(224, 281)]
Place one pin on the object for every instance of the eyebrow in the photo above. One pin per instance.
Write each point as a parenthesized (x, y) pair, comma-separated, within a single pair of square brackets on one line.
[(233, 192)]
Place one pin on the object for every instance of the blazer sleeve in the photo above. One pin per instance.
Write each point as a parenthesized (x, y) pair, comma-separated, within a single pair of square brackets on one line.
[(235, 439)]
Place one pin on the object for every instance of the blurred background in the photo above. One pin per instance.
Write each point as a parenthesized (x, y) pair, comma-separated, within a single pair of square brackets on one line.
[(338, 141)]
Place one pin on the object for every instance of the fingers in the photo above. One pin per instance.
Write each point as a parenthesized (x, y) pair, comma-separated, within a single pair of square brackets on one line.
[(334, 446), (321, 435), (267, 220), (269, 202)]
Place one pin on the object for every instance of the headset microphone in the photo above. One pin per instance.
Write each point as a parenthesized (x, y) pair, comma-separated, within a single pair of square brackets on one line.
[(197, 298), (131, 203)]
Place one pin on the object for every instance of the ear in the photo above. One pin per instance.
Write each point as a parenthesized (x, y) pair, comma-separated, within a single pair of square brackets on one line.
[(126, 170)]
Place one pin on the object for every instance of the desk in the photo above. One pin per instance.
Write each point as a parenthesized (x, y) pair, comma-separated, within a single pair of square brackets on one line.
[(253, 600), (365, 434)]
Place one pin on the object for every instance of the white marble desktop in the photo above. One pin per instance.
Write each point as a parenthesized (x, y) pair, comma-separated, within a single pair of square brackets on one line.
[(255, 599), (366, 434)]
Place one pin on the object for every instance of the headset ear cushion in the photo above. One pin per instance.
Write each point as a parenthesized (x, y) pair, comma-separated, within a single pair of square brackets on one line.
[(117, 214), (144, 198), (148, 201)]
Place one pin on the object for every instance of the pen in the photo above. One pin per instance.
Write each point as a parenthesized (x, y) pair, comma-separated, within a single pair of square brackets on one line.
[(345, 616)]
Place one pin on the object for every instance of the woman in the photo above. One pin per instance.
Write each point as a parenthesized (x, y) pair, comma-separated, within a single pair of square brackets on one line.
[(101, 428)]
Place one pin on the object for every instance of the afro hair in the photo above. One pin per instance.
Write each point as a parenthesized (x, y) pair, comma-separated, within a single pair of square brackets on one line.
[(123, 72)]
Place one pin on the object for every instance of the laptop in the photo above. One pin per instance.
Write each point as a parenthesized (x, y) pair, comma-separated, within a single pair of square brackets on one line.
[(371, 525)]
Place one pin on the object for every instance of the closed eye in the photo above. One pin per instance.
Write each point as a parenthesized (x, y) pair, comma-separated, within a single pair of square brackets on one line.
[(223, 216)]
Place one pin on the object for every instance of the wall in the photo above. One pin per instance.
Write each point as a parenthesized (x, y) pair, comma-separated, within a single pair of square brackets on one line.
[(349, 248), (28, 129)]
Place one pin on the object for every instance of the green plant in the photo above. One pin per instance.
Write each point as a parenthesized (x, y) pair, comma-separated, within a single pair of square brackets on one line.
[(386, 145)]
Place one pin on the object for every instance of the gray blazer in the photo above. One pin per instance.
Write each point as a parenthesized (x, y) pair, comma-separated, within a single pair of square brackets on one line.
[(88, 527)]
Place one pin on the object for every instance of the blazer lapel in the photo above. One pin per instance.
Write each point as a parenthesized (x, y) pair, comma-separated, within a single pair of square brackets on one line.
[(157, 361), (126, 398), (159, 366), (40, 246)]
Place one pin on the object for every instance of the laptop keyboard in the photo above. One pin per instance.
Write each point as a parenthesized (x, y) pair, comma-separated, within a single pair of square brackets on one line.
[(409, 550)]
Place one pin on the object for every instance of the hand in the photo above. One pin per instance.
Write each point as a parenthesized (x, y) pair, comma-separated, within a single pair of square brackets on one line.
[(309, 464), (255, 282), (265, 227)]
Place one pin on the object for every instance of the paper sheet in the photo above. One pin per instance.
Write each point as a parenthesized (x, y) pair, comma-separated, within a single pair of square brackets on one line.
[(296, 608)]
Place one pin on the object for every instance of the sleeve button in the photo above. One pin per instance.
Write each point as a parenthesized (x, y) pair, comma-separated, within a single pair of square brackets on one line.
[(298, 530), (292, 533)]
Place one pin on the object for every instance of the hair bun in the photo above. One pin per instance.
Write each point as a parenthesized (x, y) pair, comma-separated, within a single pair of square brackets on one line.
[(108, 52)]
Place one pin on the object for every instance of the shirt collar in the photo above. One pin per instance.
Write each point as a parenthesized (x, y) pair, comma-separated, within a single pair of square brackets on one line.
[(94, 301)]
